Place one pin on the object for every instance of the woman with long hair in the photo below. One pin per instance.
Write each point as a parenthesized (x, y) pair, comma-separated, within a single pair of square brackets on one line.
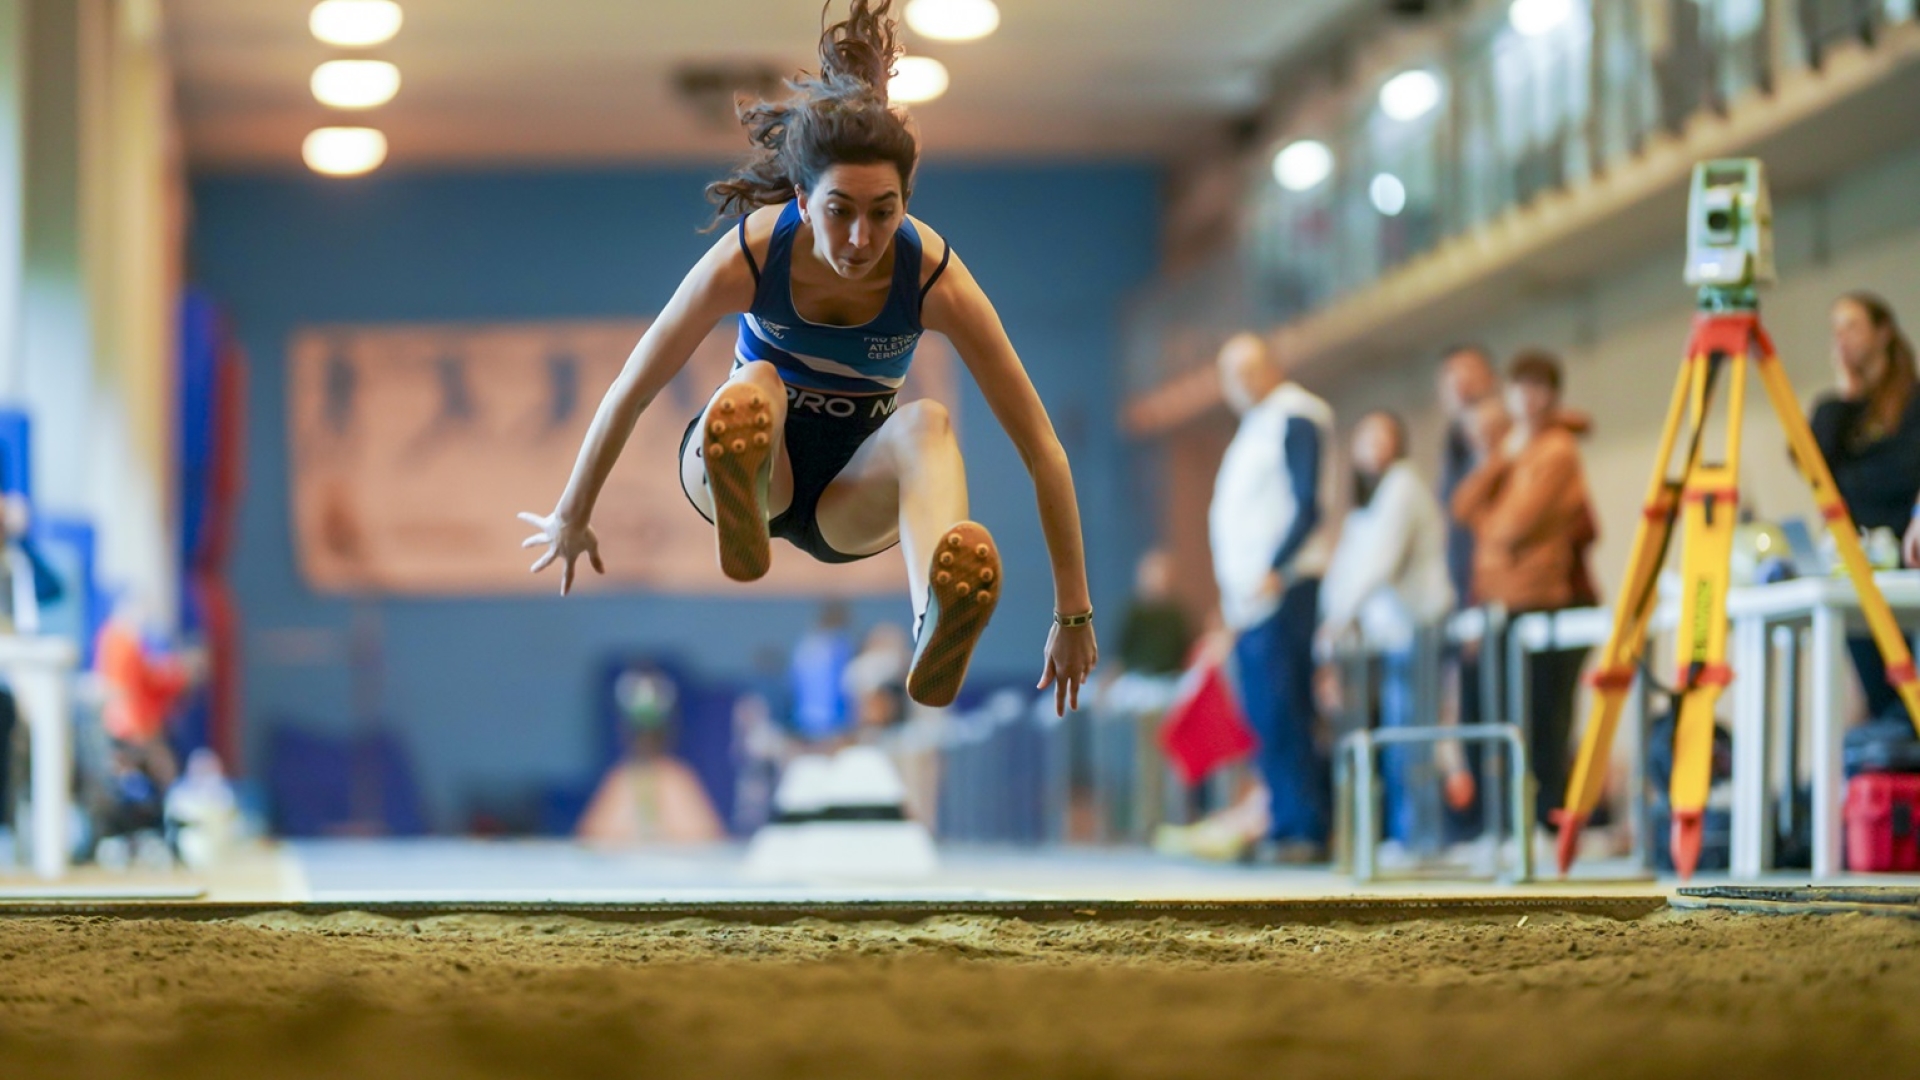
[(1869, 431), (833, 284)]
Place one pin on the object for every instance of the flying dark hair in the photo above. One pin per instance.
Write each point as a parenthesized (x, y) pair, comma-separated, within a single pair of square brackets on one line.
[(1887, 402), (838, 117)]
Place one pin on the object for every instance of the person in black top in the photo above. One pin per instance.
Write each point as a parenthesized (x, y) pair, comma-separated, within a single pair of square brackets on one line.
[(1155, 636), (1869, 432)]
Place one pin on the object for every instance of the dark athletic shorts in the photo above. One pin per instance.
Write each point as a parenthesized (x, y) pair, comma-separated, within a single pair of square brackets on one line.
[(824, 431)]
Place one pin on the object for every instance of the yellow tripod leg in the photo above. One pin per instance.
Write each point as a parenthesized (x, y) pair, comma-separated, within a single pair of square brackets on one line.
[(1613, 678), (1706, 558), (1706, 550), (1813, 466)]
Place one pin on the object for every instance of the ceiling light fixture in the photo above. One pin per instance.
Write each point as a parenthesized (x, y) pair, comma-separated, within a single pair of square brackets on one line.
[(953, 20), (1389, 195), (1538, 18), (1303, 164), (1410, 95), (917, 79), (344, 151), (355, 84), (355, 24)]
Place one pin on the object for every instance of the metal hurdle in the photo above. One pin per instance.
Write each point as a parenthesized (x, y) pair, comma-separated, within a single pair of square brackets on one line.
[(1357, 791)]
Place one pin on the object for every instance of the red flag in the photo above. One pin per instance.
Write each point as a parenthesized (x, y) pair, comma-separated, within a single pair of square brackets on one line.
[(1205, 728)]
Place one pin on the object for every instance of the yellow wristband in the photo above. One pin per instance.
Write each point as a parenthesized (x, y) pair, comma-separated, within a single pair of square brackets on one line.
[(1073, 620)]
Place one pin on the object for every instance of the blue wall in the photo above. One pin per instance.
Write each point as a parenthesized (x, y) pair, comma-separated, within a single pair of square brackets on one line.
[(493, 695)]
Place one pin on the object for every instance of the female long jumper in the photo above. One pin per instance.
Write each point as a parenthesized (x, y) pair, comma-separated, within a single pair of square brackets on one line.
[(833, 283)]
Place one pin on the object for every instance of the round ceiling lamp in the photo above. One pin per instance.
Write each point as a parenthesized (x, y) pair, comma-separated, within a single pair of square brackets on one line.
[(1538, 18), (1410, 95), (917, 79), (355, 24), (1303, 165), (355, 84), (953, 20), (344, 151), (1388, 193)]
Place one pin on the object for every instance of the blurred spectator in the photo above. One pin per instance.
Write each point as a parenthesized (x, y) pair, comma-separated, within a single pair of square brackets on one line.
[(1388, 574), (816, 674), (886, 718), (1388, 581), (1155, 636), (1270, 538), (202, 812), (144, 685), (649, 795), (1869, 431), (1526, 501), (761, 747), (1466, 380), (875, 681)]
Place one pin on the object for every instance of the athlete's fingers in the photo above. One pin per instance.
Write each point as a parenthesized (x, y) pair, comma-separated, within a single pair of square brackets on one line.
[(1046, 673), (1075, 695), (536, 540), (541, 563), (534, 520), (593, 556), (1060, 697)]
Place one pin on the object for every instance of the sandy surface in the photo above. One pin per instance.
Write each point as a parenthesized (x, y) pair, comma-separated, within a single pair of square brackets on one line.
[(468, 996)]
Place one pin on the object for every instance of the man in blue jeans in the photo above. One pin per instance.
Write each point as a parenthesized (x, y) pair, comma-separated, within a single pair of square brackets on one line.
[(1270, 538)]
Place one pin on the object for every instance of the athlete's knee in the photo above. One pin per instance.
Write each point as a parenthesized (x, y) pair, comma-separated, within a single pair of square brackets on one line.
[(758, 371), (924, 421)]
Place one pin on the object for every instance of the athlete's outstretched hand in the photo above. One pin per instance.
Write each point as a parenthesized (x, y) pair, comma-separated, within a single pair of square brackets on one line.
[(1071, 655), (565, 541)]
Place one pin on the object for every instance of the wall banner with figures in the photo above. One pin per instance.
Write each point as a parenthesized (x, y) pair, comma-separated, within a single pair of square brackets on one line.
[(413, 447)]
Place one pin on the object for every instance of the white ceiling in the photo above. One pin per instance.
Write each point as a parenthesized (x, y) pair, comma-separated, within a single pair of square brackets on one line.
[(502, 81)]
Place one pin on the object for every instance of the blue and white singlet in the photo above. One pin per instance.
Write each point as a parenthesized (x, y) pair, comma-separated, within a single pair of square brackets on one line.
[(868, 359)]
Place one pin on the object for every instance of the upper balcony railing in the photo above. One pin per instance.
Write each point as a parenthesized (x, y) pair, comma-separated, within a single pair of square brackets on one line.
[(1510, 101)]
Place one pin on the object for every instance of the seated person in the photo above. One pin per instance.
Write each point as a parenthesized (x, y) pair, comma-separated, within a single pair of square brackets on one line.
[(649, 796)]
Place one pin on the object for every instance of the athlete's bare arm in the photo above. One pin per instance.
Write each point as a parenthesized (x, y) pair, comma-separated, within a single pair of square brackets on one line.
[(958, 308), (720, 284)]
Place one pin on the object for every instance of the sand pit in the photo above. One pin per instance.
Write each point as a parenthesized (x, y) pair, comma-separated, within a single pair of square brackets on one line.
[(467, 996)]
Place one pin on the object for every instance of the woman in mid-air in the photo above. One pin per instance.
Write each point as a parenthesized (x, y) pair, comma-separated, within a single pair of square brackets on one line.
[(834, 283)]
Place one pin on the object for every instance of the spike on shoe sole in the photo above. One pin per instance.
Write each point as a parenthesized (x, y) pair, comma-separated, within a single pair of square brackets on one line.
[(738, 471), (966, 562)]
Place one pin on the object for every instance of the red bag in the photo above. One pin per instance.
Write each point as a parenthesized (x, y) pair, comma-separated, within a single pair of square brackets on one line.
[(1882, 816), (1205, 728)]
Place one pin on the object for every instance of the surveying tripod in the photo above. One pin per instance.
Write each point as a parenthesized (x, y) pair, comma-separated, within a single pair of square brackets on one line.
[(1704, 498)]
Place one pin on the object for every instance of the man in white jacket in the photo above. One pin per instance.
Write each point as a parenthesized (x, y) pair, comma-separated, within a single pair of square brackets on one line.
[(1269, 530), (1388, 580)]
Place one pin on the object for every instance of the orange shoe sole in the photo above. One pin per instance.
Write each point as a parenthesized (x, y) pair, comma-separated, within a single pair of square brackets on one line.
[(736, 436), (964, 581)]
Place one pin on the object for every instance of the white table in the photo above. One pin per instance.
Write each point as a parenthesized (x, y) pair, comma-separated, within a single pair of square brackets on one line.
[(39, 671), (1829, 605)]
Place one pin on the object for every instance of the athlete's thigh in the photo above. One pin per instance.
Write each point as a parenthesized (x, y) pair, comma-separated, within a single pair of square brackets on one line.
[(859, 511), (693, 476)]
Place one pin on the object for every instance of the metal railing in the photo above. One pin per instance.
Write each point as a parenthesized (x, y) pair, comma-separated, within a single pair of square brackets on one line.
[(1502, 651), (1520, 114), (1011, 771)]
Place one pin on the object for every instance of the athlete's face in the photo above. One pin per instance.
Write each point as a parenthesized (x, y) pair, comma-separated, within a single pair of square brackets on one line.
[(854, 210)]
